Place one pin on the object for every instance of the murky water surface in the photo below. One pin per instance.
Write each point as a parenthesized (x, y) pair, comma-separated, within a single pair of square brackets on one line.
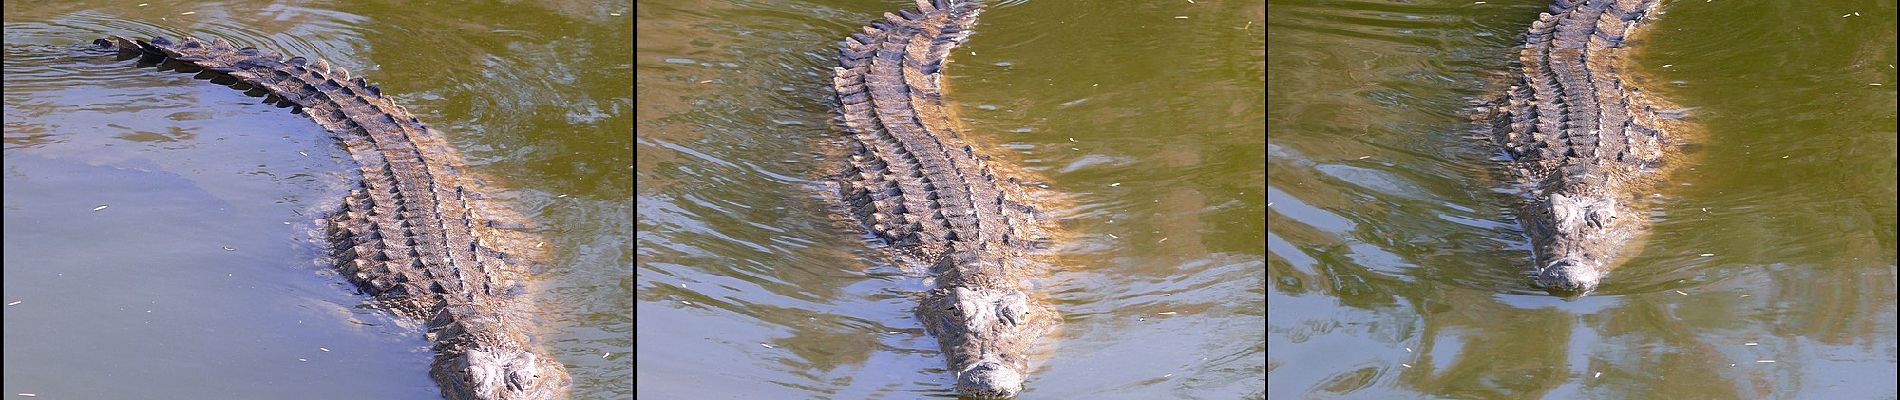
[(1396, 269), (1147, 116), (158, 229)]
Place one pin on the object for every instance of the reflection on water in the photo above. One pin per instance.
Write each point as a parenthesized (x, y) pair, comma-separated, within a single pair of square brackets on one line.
[(1141, 123), (1393, 256)]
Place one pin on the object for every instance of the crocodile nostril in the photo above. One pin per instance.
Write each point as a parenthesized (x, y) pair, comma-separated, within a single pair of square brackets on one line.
[(990, 379)]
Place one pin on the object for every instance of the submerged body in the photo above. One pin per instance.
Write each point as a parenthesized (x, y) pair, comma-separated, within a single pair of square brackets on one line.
[(1583, 140), (416, 235), (913, 182)]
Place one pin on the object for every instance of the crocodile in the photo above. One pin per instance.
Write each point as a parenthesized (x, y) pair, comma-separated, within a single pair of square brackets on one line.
[(1584, 140), (914, 183), (414, 233)]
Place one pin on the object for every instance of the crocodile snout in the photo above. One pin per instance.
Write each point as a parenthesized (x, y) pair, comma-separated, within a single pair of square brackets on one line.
[(990, 379), (1570, 276)]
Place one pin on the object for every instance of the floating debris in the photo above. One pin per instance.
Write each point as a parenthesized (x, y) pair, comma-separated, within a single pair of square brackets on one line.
[(1598, 375), (302, 360), (1668, 65), (1681, 293), (188, 13), (614, 14), (686, 302), (1180, 17), (1162, 240), (680, 61), (1708, 254), (99, 208), (1751, 344), (326, 350), (228, 248), (1167, 313), (1408, 349), (561, 196), (767, 346), (303, 154), (604, 355), (1364, 157), (15, 302), (1764, 361), (1112, 236), (1115, 184), (1405, 365), (1072, 140)]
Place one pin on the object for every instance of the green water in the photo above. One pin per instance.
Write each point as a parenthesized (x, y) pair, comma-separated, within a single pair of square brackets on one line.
[(1396, 272), (158, 229), (1147, 117)]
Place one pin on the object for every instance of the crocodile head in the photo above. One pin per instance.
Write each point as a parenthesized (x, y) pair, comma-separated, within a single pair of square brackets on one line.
[(987, 335), (1577, 238), (501, 374)]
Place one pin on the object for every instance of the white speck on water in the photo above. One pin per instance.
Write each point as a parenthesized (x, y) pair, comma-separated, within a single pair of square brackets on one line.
[(144, 4), (1405, 365), (1708, 254), (1408, 349), (1162, 240), (326, 350), (686, 302), (1072, 140), (1480, 2), (1751, 344), (1115, 184), (1167, 376), (1180, 17), (561, 196), (1873, 84), (15, 302), (1364, 157), (1004, 64), (1765, 361), (302, 360), (1668, 65), (1681, 293), (680, 61), (604, 355), (767, 346), (188, 13), (1744, 296), (1112, 236), (614, 14), (35, 395), (1598, 375), (99, 208), (1167, 313), (303, 154), (228, 248)]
